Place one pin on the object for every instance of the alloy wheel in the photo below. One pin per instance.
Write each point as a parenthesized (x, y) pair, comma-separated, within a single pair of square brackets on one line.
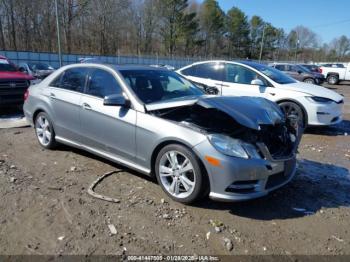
[(177, 174), (43, 130)]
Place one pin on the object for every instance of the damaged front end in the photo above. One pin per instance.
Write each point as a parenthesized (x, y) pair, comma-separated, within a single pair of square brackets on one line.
[(254, 121), (251, 140)]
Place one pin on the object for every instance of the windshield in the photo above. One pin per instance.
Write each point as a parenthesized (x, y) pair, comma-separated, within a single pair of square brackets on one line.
[(276, 75), (6, 66), (40, 66), (157, 85)]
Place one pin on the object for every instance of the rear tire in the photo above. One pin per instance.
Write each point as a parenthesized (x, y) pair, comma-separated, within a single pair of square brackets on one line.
[(309, 81), (332, 79), (179, 173), (44, 131)]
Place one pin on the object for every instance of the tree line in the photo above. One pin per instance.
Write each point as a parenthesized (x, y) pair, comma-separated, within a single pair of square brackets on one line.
[(157, 27)]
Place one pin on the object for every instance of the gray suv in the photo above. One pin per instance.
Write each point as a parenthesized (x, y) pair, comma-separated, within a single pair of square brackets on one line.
[(300, 73), (155, 121)]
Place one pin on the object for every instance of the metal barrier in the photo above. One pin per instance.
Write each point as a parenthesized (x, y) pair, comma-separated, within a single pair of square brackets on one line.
[(52, 59)]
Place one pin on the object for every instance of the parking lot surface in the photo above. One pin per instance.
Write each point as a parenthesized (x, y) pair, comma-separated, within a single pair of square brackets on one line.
[(45, 208)]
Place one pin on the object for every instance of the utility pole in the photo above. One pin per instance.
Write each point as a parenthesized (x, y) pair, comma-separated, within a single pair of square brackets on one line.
[(296, 49), (262, 43), (58, 35)]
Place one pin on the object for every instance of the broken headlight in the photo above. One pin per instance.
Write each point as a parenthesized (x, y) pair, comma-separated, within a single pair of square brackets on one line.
[(227, 145)]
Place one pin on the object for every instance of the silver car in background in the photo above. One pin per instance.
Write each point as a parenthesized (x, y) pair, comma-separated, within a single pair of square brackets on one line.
[(155, 121)]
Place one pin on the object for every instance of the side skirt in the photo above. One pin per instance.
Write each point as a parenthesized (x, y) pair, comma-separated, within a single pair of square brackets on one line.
[(104, 155)]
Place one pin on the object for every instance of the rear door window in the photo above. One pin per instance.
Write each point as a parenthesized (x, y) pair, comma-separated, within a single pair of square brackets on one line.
[(214, 71), (72, 79)]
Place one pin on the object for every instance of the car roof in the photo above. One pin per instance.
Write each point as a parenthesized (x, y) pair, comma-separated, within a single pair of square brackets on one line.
[(284, 63), (136, 67), (249, 63)]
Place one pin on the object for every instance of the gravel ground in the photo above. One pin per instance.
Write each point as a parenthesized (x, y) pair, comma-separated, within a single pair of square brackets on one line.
[(45, 208)]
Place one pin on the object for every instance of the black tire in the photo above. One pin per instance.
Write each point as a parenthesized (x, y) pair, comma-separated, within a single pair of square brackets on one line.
[(332, 79), (199, 176), (292, 109), (48, 143), (309, 81)]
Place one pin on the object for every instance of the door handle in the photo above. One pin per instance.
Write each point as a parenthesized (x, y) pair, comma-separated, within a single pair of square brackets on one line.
[(272, 94), (86, 106), (52, 95), (225, 85)]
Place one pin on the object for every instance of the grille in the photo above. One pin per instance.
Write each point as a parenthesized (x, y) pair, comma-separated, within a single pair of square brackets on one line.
[(12, 90), (12, 84)]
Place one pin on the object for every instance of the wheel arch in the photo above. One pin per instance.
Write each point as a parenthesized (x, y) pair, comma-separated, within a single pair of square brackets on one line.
[(36, 112), (333, 73), (309, 77)]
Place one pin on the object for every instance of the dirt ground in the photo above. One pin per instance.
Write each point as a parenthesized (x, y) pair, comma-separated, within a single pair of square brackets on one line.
[(45, 208)]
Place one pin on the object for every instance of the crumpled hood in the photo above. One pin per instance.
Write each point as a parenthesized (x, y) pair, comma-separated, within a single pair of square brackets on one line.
[(313, 90), (247, 111)]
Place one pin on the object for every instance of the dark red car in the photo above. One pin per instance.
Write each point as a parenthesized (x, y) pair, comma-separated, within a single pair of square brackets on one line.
[(13, 83)]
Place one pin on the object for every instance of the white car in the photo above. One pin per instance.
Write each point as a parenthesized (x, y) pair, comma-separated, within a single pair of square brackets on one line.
[(313, 105)]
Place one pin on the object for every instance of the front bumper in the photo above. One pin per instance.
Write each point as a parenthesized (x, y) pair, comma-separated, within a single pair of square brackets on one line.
[(238, 179), (324, 114), (11, 100)]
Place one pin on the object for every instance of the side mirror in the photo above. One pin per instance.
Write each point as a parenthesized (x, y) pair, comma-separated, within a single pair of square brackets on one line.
[(257, 82), (116, 100)]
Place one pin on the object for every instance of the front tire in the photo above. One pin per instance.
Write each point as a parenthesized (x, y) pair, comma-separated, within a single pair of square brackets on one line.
[(44, 131), (293, 110), (332, 79), (179, 173)]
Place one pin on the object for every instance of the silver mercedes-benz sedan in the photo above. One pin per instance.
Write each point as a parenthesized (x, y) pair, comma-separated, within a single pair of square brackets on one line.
[(158, 123)]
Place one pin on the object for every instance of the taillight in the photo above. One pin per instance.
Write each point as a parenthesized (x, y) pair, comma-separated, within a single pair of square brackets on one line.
[(320, 70), (26, 94)]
